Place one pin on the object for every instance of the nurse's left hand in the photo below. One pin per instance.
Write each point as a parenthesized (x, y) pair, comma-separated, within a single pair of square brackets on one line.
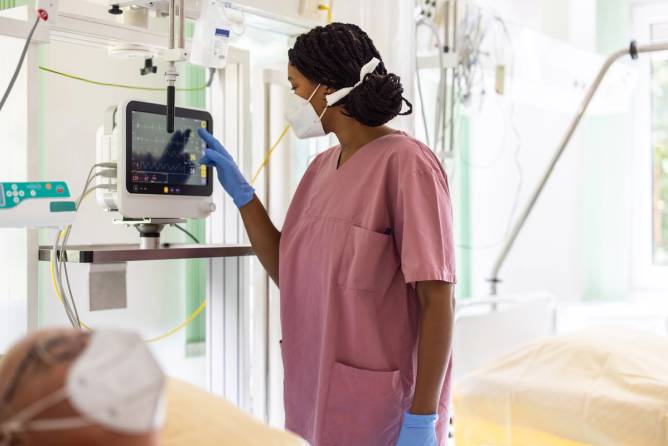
[(418, 430)]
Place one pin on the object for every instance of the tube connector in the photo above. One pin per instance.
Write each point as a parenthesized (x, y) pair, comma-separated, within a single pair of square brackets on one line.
[(633, 50)]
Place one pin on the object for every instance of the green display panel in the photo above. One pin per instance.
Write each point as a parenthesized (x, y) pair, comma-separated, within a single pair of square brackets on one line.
[(13, 194)]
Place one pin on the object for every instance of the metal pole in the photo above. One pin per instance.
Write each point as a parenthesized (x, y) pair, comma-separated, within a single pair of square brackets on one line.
[(172, 12), (455, 15), (517, 228), (171, 72), (267, 281), (182, 24), (447, 24), (444, 77)]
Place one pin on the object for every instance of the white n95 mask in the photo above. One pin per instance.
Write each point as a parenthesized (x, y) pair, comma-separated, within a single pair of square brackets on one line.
[(302, 116), (114, 383)]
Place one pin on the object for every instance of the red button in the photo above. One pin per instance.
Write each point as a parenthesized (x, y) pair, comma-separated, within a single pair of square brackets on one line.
[(60, 190)]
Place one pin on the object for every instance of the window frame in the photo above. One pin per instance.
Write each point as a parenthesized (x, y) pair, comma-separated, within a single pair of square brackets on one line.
[(646, 275)]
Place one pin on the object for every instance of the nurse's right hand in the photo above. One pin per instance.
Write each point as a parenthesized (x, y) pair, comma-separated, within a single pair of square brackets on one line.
[(229, 175)]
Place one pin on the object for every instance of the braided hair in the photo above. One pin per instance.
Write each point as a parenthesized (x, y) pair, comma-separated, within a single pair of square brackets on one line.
[(333, 56)]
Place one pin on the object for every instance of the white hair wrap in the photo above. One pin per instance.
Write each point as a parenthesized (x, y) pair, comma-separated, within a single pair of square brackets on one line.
[(369, 68)]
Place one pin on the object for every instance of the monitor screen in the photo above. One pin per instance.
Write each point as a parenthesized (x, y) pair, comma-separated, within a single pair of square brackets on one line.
[(166, 163)]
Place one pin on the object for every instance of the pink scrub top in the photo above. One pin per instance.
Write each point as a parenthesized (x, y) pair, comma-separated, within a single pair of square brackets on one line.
[(354, 242)]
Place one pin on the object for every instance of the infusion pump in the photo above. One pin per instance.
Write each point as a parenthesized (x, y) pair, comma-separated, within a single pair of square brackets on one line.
[(158, 174)]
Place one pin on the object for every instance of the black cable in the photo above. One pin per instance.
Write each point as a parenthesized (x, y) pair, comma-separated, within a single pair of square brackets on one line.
[(212, 73), (20, 64), (188, 233)]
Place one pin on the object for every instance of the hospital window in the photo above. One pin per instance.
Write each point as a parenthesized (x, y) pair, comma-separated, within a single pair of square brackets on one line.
[(660, 160)]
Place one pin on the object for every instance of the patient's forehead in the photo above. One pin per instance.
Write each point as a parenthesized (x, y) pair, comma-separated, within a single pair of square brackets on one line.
[(18, 351), (33, 386)]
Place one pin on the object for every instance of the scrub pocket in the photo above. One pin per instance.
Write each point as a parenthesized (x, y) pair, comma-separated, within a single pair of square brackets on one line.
[(369, 261), (363, 407)]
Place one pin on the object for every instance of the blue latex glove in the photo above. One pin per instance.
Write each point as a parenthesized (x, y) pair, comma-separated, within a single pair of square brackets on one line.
[(418, 430), (229, 174)]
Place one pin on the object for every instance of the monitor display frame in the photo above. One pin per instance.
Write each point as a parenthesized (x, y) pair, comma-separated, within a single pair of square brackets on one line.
[(162, 188)]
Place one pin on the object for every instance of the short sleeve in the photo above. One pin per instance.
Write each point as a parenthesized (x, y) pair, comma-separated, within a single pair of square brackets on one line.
[(423, 226)]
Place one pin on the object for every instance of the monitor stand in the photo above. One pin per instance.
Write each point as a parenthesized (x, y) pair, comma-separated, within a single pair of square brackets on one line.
[(149, 229)]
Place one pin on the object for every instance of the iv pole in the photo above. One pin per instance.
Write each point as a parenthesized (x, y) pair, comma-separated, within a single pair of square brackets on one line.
[(634, 50)]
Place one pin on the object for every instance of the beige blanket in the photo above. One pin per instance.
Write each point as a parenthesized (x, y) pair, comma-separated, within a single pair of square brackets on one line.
[(195, 417), (604, 386)]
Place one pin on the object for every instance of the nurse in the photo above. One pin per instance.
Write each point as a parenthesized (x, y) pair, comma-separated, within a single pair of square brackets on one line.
[(365, 259)]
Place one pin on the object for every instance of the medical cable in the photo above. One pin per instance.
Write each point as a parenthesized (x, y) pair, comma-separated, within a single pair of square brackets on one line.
[(517, 151), (60, 266), (513, 124), (63, 259), (20, 63), (442, 83), (422, 106), (54, 254), (128, 87), (269, 153), (186, 232), (74, 320), (212, 73)]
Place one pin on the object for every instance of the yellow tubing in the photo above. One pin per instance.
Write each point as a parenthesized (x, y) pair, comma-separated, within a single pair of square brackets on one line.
[(111, 84), (269, 153)]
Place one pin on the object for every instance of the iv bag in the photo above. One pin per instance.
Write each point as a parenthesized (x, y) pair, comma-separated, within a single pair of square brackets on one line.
[(211, 37)]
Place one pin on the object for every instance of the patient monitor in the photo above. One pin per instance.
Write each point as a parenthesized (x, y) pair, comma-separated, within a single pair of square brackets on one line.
[(158, 173)]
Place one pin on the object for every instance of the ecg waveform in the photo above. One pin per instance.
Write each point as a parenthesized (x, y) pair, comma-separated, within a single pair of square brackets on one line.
[(160, 157)]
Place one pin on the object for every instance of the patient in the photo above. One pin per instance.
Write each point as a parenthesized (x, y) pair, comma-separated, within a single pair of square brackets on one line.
[(67, 387)]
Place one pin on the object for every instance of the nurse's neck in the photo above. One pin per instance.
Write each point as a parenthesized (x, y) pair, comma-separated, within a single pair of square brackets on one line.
[(353, 135)]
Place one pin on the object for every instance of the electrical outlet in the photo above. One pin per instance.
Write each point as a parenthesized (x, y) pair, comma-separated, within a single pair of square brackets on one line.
[(51, 8), (310, 9)]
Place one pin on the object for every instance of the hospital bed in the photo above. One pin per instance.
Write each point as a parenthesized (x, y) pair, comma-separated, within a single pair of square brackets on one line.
[(603, 386), (196, 417), (488, 328)]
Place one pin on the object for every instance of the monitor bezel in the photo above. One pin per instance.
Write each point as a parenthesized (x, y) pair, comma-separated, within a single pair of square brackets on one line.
[(159, 189)]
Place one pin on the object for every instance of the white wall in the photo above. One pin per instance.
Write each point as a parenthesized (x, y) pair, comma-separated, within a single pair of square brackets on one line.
[(570, 20), (13, 127)]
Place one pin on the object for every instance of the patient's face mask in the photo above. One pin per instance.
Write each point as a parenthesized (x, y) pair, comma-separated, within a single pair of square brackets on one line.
[(115, 383), (303, 118)]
